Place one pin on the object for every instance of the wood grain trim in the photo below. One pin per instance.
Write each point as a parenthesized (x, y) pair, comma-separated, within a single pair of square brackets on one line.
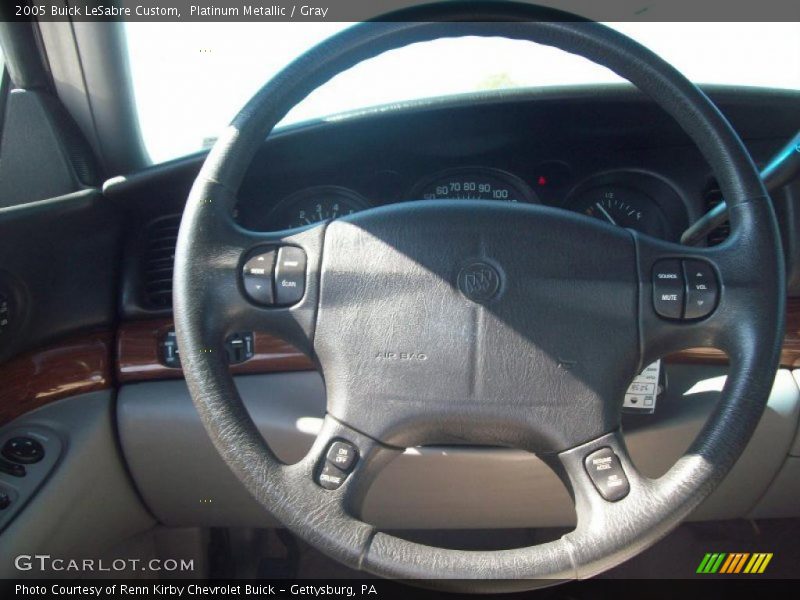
[(138, 358), (790, 353), (73, 366), (82, 364)]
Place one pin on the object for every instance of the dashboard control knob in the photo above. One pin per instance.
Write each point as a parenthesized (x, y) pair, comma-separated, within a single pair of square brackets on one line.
[(12, 468), (23, 450)]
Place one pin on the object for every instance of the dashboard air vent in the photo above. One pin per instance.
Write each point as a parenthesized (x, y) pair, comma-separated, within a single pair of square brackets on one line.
[(161, 236), (712, 198)]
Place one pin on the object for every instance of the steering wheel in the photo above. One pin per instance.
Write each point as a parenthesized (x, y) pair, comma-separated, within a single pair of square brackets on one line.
[(478, 322)]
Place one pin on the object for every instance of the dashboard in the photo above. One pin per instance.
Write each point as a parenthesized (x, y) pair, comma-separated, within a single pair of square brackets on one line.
[(626, 198), (604, 152)]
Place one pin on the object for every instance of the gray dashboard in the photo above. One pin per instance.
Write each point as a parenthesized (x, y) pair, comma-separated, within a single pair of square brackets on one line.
[(184, 482)]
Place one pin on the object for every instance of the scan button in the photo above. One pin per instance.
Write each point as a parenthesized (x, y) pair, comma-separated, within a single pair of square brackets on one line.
[(290, 275)]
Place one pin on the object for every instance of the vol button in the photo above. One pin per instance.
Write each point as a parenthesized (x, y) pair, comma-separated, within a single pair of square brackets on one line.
[(702, 289)]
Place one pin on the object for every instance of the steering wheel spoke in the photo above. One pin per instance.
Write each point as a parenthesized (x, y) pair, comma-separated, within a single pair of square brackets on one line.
[(602, 479), (701, 297), (342, 464), (249, 280), (610, 495)]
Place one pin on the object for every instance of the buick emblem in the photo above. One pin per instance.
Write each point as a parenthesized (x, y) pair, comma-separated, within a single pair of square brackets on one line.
[(479, 281)]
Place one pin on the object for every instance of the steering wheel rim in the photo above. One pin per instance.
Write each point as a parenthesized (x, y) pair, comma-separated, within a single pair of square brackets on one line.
[(209, 302)]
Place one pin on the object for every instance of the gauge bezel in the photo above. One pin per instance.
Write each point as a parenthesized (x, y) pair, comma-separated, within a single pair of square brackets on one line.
[(283, 207), (670, 203), (530, 196)]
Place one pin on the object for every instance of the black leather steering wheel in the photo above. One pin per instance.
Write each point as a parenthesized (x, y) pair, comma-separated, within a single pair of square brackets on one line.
[(477, 322)]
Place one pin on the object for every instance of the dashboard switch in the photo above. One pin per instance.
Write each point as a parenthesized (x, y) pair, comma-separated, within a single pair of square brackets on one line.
[(668, 288), (12, 468), (239, 347), (23, 450), (702, 290), (257, 277), (606, 473), (290, 275), (5, 500)]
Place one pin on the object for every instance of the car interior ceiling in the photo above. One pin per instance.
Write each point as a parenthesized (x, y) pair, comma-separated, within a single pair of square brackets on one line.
[(90, 368)]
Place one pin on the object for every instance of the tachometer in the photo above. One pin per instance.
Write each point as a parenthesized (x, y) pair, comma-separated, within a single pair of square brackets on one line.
[(474, 183), (315, 204)]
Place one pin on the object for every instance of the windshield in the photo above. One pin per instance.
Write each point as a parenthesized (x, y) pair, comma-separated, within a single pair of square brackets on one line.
[(190, 79)]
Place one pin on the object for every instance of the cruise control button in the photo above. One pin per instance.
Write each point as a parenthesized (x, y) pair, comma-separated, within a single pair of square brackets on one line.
[(702, 290), (290, 275), (668, 288), (343, 455), (257, 277), (331, 476), (607, 475)]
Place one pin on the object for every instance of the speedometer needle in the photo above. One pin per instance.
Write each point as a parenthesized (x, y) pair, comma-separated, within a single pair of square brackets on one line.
[(605, 212)]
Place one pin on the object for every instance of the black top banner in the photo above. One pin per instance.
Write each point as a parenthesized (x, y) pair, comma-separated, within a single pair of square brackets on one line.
[(362, 10)]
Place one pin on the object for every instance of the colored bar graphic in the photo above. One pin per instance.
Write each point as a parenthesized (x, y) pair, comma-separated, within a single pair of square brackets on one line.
[(732, 559), (758, 563), (741, 562), (711, 562), (764, 564), (717, 564), (704, 564), (733, 563)]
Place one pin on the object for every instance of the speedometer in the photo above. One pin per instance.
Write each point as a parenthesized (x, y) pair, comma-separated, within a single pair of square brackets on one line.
[(474, 183)]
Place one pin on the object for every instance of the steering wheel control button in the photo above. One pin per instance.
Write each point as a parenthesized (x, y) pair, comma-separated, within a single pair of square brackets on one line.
[(607, 475), (668, 289), (23, 450), (702, 289), (290, 275), (343, 455), (257, 277), (331, 477), (12, 468)]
